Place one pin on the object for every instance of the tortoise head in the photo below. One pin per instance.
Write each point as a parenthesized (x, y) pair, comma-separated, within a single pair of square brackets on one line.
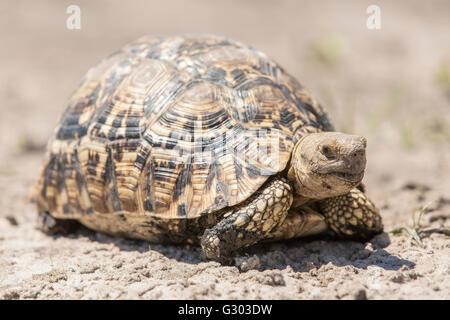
[(327, 164)]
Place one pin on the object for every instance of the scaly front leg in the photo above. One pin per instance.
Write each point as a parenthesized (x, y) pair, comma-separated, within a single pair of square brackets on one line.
[(250, 221), (352, 215)]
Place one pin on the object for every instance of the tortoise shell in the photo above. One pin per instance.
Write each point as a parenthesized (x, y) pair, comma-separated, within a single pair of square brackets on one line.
[(174, 127)]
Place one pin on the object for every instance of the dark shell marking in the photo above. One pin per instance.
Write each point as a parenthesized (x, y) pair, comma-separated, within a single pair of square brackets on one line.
[(144, 133)]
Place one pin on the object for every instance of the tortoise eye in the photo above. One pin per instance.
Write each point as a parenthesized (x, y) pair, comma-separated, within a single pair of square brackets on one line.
[(327, 151)]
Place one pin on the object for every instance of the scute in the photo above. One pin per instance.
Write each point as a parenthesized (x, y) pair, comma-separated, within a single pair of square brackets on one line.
[(174, 127)]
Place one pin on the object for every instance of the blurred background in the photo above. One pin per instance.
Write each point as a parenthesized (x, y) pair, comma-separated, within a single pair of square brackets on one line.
[(391, 85)]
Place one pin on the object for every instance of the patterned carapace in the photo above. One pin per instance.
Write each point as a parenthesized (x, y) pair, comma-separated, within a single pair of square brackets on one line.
[(174, 127)]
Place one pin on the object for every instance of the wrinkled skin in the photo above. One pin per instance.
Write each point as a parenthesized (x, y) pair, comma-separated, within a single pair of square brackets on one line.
[(328, 164)]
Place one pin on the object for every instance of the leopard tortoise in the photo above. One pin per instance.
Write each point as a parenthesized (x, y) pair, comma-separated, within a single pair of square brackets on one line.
[(200, 139)]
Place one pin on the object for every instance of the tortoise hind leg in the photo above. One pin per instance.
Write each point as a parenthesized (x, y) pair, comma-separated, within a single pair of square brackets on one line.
[(352, 215), (51, 225), (248, 222)]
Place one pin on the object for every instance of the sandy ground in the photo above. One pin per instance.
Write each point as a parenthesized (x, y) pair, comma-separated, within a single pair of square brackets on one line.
[(390, 85)]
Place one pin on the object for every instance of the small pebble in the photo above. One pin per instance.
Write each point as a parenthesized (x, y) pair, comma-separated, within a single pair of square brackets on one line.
[(247, 263), (360, 295), (12, 220), (398, 277)]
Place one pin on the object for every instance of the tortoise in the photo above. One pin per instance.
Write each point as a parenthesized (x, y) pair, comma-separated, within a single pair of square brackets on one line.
[(203, 140)]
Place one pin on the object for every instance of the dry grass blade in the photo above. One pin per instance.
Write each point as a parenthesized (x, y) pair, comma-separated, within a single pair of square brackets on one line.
[(416, 232)]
